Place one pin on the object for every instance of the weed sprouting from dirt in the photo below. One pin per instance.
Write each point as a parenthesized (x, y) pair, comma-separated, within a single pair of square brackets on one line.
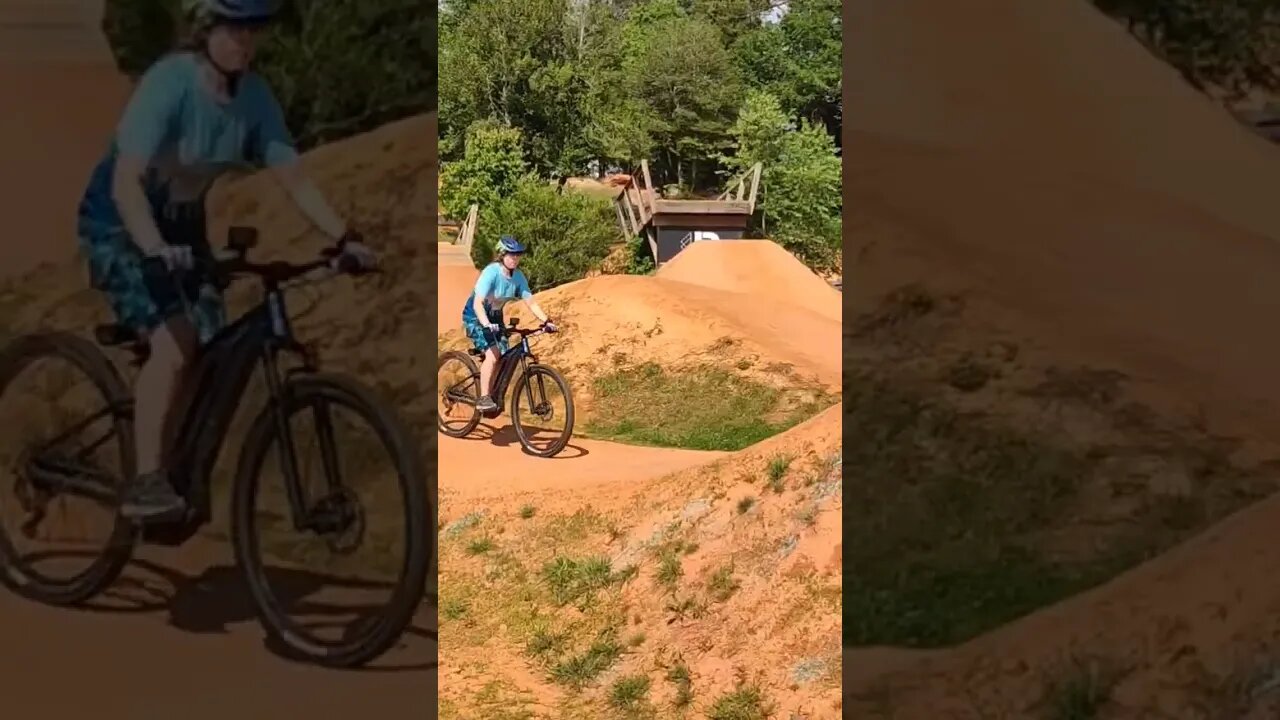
[(746, 504), (721, 585), (745, 703), (581, 669), (527, 512), (572, 580), (678, 675), (629, 693), (1081, 692), (481, 545), (777, 472)]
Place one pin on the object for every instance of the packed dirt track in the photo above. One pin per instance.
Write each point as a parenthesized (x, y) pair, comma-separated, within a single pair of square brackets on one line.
[(1075, 199), (507, 516)]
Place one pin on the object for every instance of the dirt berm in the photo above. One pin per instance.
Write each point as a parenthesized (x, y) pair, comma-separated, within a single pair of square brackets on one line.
[(1032, 174)]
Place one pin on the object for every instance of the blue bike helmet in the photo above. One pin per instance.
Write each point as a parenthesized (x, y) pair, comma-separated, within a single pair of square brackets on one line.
[(209, 12), (508, 244)]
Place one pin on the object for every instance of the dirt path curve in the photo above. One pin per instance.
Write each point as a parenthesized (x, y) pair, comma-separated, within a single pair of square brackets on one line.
[(193, 650), (490, 466)]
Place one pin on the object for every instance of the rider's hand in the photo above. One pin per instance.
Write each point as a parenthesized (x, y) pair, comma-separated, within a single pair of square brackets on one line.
[(550, 326), (494, 328), (174, 257), (352, 248)]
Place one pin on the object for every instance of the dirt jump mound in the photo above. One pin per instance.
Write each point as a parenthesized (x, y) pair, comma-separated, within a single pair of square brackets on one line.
[(761, 268)]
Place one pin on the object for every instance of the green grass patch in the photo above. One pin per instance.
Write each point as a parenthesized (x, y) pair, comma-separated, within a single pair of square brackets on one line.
[(777, 472), (745, 703), (939, 517), (722, 585), (572, 580), (703, 408), (527, 512), (480, 546), (629, 693), (678, 675), (582, 669)]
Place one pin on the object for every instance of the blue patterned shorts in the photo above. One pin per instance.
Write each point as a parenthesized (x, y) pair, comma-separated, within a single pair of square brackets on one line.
[(116, 269)]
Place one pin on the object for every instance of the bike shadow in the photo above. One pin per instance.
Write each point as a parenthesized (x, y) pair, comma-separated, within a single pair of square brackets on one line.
[(211, 602), (506, 436)]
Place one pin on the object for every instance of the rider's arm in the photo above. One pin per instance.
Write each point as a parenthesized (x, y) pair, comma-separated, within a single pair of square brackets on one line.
[(310, 200), (275, 149), (527, 295), (484, 286), (143, 128), (131, 201)]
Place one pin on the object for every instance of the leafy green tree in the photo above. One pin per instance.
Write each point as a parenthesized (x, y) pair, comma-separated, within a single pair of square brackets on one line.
[(679, 67), (568, 234), (799, 60), (490, 169), (800, 191)]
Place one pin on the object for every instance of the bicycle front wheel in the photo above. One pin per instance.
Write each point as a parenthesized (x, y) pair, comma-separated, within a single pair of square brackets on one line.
[(343, 512), (542, 411)]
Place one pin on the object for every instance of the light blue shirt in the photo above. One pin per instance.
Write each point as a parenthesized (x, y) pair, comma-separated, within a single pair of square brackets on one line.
[(497, 290), (188, 138)]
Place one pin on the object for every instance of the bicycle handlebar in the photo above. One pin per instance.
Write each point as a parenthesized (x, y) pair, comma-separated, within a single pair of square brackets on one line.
[(276, 272)]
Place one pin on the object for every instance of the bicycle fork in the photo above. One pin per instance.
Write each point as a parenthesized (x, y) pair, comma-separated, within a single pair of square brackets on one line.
[(304, 518)]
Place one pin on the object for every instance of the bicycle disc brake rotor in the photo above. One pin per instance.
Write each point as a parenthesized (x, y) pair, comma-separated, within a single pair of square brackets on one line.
[(340, 519)]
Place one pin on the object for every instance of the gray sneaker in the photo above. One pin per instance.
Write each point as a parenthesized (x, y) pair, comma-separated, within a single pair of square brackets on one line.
[(486, 404), (151, 496)]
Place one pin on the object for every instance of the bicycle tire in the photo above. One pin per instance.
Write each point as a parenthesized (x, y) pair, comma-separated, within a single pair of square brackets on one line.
[(565, 436), (471, 365), (110, 563), (410, 590)]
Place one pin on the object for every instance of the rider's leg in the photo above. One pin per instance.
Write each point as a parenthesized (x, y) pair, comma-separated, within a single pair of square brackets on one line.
[(159, 384), (488, 365)]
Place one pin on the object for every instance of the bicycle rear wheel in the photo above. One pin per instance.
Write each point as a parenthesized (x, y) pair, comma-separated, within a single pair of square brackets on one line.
[(343, 524), (533, 411), (458, 380), (48, 473)]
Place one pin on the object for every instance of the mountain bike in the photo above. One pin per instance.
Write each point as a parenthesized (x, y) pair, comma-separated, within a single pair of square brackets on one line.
[(531, 385), (45, 470)]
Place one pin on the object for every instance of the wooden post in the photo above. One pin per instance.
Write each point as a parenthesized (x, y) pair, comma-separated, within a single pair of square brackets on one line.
[(648, 182), (755, 183)]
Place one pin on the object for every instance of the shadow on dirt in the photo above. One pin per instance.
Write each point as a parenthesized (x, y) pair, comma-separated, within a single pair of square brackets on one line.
[(212, 601), (505, 436)]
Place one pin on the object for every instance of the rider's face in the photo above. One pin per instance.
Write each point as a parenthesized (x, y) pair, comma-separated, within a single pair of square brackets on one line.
[(511, 261), (233, 46)]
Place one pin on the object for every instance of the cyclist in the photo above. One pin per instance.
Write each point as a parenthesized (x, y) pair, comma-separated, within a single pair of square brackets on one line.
[(499, 283), (195, 114)]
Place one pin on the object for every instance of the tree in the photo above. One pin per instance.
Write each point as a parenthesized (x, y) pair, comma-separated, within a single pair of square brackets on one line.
[(800, 192), (490, 169)]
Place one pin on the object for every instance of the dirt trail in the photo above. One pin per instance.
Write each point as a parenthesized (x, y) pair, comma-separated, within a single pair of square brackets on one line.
[(456, 276), (201, 657), (1103, 212), (56, 123)]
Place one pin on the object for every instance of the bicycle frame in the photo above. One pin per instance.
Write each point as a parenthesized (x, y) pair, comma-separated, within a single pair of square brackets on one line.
[(517, 356), (220, 376)]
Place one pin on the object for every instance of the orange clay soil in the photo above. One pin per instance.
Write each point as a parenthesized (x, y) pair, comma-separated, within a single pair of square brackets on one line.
[(1034, 160), (617, 501), (195, 644)]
